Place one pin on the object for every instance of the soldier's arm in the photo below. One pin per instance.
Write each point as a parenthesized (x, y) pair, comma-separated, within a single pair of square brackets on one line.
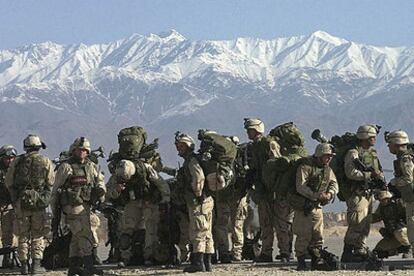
[(274, 150), (351, 171), (333, 184), (376, 216), (50, 174), (159, 182), (302, 177), (61, 176), (407, 170), (197, 177), (10, 174), (99, 183), (112, 191)]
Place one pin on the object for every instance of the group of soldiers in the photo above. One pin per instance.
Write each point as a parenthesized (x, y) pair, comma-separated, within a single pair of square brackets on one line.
[(199, 215)]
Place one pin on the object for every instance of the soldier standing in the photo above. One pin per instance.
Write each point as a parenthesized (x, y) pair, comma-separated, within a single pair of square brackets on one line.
[(7, 154), (262, 150), (79, 184), (199, 205), (30, 179), (359, 201), (316, 184), (404, 175)]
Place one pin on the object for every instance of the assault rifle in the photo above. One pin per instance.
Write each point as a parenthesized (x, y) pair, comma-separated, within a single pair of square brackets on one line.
[(93, 156), (374, 184)]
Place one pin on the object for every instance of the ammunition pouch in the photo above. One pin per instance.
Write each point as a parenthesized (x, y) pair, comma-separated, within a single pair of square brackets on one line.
[(34, 200)]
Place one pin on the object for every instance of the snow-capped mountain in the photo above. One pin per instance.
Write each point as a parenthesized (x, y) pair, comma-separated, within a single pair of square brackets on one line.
[(166, 83)]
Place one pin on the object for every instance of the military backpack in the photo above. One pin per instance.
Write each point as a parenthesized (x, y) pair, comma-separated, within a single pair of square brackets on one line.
[(131, 141)]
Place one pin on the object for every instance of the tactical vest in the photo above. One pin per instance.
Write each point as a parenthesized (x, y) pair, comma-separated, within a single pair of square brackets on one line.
[(369, 158), (79, 185), (5, 198), (30, 173), (186, 178), (407, 191), (318, 181)]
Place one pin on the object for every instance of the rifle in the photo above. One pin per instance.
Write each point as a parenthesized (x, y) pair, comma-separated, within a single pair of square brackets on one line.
[(375, 184), (57, 216)]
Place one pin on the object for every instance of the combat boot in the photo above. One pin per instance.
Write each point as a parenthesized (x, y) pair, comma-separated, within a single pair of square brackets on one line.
[(75, 266), (347, 254), (263, 258), (37, 268), (198, 264), (96, 259), (225, 258), (90, 268), (7, 261), (301, 263), (207, 262), (24, 269), (284, 258)]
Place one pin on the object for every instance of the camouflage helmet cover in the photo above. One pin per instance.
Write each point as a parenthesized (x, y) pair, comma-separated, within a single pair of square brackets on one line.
[(184, 138), (367, 131), (323, 149), (398, 137), (254, 123), (384, 194), (8, 150), (80, 143), (33, 141)]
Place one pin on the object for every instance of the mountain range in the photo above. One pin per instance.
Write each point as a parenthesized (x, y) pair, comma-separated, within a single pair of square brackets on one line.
[(166, 82)]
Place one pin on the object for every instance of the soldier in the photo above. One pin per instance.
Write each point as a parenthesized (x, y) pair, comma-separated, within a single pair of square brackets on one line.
[(316, 184), (262, 150), (360, 201), (30, 179), (392, 212), (79, 185), (7, 154), (199, 205), (231, 211), (404, 175), (133, 183)]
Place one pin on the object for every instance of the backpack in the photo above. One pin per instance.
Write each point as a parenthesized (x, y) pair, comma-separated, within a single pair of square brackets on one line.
[(342, 144), (130, 141), (288, 135), (216, 156)]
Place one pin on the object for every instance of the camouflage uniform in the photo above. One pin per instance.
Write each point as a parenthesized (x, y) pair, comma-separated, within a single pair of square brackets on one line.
[(404, 178), (78, 185), (312, 179), (7, 214), (140, 182), (263, 149), (359, 202), (392, 213), (30, 179)]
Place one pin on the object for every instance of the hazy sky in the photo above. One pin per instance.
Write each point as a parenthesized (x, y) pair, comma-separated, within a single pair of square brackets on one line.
[(378, 22)]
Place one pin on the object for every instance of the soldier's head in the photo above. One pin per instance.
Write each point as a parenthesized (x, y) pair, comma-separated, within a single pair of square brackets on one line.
[(384, 197), (184, 144), (80, 148), (33, 143), (397, 141), (7, 154), (324, 153), (254, 128), (367, 135), (125, 169)]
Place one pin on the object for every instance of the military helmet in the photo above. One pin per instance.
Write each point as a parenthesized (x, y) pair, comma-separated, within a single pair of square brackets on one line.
[(367, 131), (384, 194), (33, 141), (80, 143), (8, 150), (398, 137), (125, 169), (256, 124), (184, 138), (323, 149)]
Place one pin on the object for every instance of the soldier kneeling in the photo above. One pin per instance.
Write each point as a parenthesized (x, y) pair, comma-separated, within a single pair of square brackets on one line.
[(395, 240)]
